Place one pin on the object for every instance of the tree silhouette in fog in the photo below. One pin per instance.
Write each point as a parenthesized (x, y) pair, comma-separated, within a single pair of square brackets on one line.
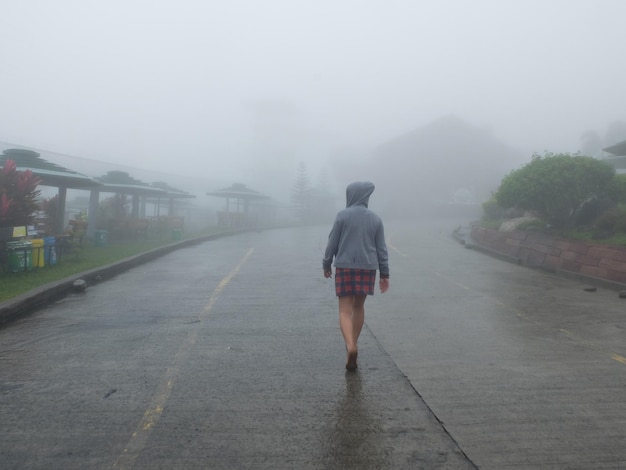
[(301, 193)]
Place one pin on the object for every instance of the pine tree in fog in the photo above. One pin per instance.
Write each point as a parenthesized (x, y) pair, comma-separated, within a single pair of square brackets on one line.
[(301, 193)]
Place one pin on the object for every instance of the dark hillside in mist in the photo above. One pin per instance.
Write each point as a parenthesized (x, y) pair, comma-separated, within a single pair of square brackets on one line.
[(446, 161)]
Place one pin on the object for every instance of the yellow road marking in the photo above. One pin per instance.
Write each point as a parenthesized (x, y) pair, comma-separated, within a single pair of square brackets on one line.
[(618, 358), (151, 416), (458, 284), (595, 347), (389, 244)]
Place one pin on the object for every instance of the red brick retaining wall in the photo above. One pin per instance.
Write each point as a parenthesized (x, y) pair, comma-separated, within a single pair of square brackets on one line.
[(556, 254)]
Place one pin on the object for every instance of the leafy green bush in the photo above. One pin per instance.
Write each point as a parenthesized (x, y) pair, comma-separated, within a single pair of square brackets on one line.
[(492, 210), (114, 207), (51, 208), (554, 186), (620, 223), (608, 220), (617, 189)]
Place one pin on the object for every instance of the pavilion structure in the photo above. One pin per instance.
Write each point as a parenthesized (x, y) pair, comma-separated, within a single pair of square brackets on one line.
[(119, 182), (238, 200), (618, 155), (171, 196), (50, 174)]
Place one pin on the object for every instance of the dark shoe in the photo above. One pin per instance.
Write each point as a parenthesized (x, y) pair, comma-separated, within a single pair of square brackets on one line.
[(351, 364)]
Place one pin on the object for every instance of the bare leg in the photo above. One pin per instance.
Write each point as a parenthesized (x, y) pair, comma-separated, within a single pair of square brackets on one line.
[(351, 318), (358, 316), (345, 321)]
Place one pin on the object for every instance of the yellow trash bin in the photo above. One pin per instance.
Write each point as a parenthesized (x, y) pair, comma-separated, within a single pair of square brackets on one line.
[(38, 253)]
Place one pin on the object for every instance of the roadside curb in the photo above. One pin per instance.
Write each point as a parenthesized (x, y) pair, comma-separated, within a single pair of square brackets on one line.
[(37, 298), (466, 239)]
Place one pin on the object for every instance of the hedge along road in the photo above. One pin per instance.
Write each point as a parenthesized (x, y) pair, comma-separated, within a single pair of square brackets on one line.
[(228, 355)]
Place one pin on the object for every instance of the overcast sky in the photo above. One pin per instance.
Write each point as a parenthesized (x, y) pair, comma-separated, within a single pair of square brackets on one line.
[(221, 86)]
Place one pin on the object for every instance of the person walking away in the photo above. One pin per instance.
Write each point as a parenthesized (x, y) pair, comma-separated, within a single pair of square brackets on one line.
[(357, 244)]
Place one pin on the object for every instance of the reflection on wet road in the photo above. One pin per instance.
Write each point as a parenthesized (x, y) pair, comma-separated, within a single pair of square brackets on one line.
[(228, 355), (523, 367), (354, 442)]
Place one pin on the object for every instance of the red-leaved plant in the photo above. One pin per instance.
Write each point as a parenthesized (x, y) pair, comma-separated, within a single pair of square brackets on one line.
[(18, 195)]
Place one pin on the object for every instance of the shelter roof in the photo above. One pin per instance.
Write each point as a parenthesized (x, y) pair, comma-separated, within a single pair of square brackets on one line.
[(239, 191), (618, 149), (49, 173), (122, 182), (172, 192)]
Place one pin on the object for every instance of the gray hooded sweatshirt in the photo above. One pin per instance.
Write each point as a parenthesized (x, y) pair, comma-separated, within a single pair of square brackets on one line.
[(357, 239)]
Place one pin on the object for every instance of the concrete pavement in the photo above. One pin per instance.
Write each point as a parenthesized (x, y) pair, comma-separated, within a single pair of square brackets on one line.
[(227, 354), (34, 299)]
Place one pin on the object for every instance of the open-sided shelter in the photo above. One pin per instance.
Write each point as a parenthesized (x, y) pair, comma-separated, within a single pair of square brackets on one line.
[(50, 174), (172, 194), (242, 196), (618, 155), (119, 182)]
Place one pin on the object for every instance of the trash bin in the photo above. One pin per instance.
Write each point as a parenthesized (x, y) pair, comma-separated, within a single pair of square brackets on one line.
[(38, 253), (177, 234), (20, 255), (101, 237), (49, 250)]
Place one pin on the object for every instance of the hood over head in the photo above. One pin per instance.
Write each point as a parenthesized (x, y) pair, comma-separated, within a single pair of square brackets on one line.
[(359, 193)]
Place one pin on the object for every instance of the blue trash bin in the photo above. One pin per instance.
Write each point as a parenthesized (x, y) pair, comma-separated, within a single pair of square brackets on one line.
[(49, 250)]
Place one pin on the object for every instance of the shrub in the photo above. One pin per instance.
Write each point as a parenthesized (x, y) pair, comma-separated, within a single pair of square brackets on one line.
[(51, 208), (492, 210), (607, 220), (620, 223), (114, 207), (617, 189), (555, 186), (590, 210)]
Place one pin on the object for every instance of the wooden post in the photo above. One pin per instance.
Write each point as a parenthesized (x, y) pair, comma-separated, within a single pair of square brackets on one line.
[(60, 222), (92, 215)]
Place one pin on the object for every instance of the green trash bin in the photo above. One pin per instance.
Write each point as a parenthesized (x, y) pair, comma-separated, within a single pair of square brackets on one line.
[(101, 237), (177, 234), (20, 254)]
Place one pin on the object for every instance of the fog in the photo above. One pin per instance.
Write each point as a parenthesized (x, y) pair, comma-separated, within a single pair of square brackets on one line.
[(227, 91)]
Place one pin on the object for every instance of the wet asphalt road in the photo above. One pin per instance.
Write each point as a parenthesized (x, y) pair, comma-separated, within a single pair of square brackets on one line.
[(228, 355)]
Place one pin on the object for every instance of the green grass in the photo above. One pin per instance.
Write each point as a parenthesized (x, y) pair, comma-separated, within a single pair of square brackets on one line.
[(86, 258)]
